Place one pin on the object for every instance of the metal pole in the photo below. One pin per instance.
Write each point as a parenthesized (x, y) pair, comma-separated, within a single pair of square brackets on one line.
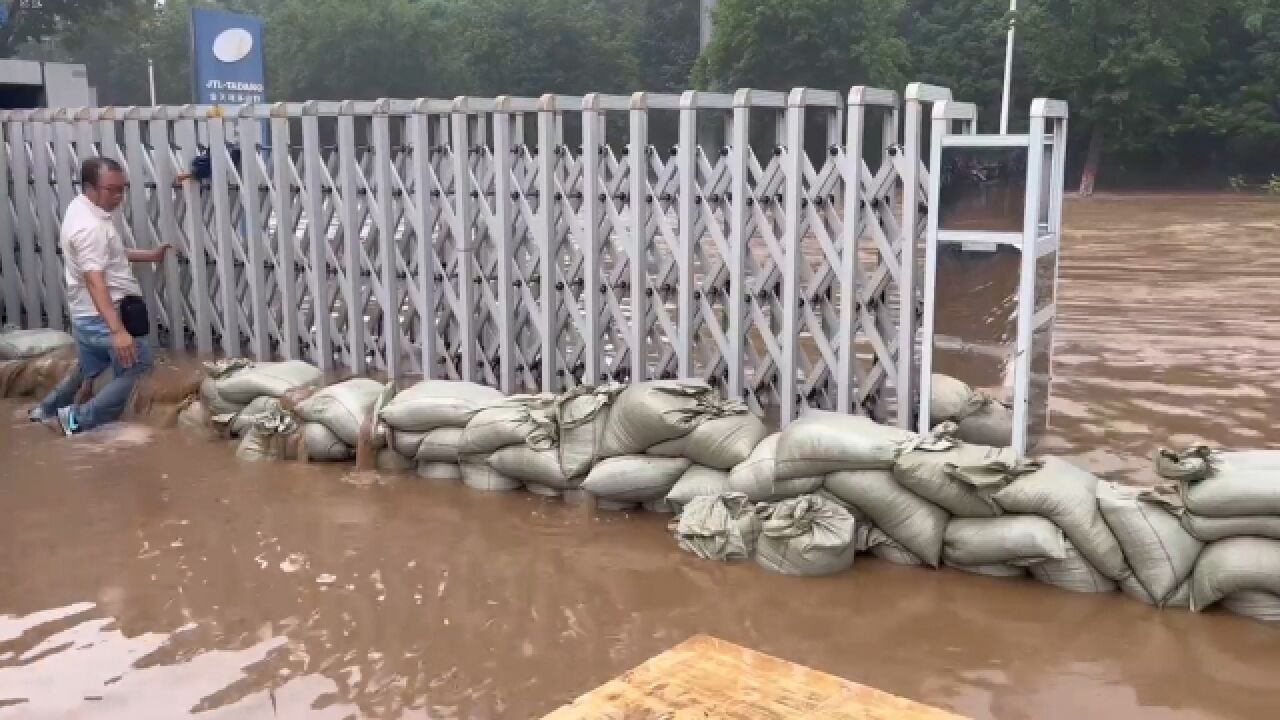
[(151, 80), (707, 7), (1008, 70)]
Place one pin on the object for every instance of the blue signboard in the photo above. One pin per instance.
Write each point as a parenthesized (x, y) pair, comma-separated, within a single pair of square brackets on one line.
[(226, 58)]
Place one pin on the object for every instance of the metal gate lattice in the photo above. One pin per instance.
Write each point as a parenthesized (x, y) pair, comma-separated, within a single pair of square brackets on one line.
[(764, 242)]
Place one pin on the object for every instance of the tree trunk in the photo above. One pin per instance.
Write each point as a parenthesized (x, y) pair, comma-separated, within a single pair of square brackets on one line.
[(1092, 161)]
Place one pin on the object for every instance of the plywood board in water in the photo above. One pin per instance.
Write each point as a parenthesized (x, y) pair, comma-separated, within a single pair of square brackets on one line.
[(704, 678)]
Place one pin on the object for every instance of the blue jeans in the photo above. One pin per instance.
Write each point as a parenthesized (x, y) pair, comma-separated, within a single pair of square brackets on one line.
[(93, 345)]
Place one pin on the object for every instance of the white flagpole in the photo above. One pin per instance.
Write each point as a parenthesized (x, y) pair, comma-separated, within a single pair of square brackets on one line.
[(151, 79), (1008, 72)]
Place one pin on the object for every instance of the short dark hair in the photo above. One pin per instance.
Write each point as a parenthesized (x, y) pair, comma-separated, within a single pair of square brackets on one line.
[(91, 170)]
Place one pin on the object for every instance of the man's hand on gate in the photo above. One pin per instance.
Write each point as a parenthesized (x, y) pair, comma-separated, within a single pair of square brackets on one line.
[(153, 255)]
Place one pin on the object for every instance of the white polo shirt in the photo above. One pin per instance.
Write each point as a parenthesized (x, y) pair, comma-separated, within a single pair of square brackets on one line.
[(91, 243)]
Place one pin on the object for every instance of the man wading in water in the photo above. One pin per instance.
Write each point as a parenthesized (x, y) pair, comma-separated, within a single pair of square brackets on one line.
[(107, 310)]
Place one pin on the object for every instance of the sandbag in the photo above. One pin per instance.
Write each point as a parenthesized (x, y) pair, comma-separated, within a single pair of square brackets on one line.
[(439, 445), (670, 448), (1212, 529), (520, 420), (915, 523), (432, 404), (343, 408), (390, 461), (195, 417), (634, 478), (698, 481), (407, 443), (1224, 484), (237, 423), (980, 418), (723, 442), (27, 344), (272, 435), (717, 527), (322, 445), (440, 471), (214, 401), (883, 547), (1000, 571), (808, 535), (960, 477), (992, 425), (824, 442), (1006, 540), (1067, 495), (1159, 550), (756, 477), (240, 382), (1073, 573), (1255, 604), (1235, 565), (950, 399), (477, 475), (582, 414), (655, 411), (531, 466)]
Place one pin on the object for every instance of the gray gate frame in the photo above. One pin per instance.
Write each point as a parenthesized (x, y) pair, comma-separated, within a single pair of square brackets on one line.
[(785, 275)]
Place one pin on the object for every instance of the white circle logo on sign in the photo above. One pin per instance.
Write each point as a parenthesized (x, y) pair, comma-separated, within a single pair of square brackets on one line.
[(232, 45)]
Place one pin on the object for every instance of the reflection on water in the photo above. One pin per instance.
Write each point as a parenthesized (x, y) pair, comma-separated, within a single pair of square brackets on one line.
[(149, 575)]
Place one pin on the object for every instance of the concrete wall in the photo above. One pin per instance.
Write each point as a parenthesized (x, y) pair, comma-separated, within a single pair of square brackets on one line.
[(66, 85)]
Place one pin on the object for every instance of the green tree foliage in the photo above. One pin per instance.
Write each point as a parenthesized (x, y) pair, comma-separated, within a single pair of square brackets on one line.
[(1170, 89), (361, 49), (960, 44), (662, 37), (1119, 65), (1229, 119), (778, 44), (35, 20), (537, 46)]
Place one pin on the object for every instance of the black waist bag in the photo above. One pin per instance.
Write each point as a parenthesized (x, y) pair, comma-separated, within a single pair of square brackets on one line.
[(133, 315)]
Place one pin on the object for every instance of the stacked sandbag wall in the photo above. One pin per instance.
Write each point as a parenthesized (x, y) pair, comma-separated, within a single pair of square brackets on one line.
[(334, 418), (424, 424), (665, 442), (807, 499), (234, 393), (1230, 502)]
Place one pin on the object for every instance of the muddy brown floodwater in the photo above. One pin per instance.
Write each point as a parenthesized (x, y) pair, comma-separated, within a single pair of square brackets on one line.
[(144, 574)]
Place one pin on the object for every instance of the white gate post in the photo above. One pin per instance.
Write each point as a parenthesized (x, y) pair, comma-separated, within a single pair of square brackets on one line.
[(793, 170), (196, 231), (349, 199), (424, 213), (318, 185), (504, 220), (382, 202), (20, 146), (286, 186), (549, 150), (641, 207), (226, 241), (464, 236), (588, 235), (47, 220), (12, 291)]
